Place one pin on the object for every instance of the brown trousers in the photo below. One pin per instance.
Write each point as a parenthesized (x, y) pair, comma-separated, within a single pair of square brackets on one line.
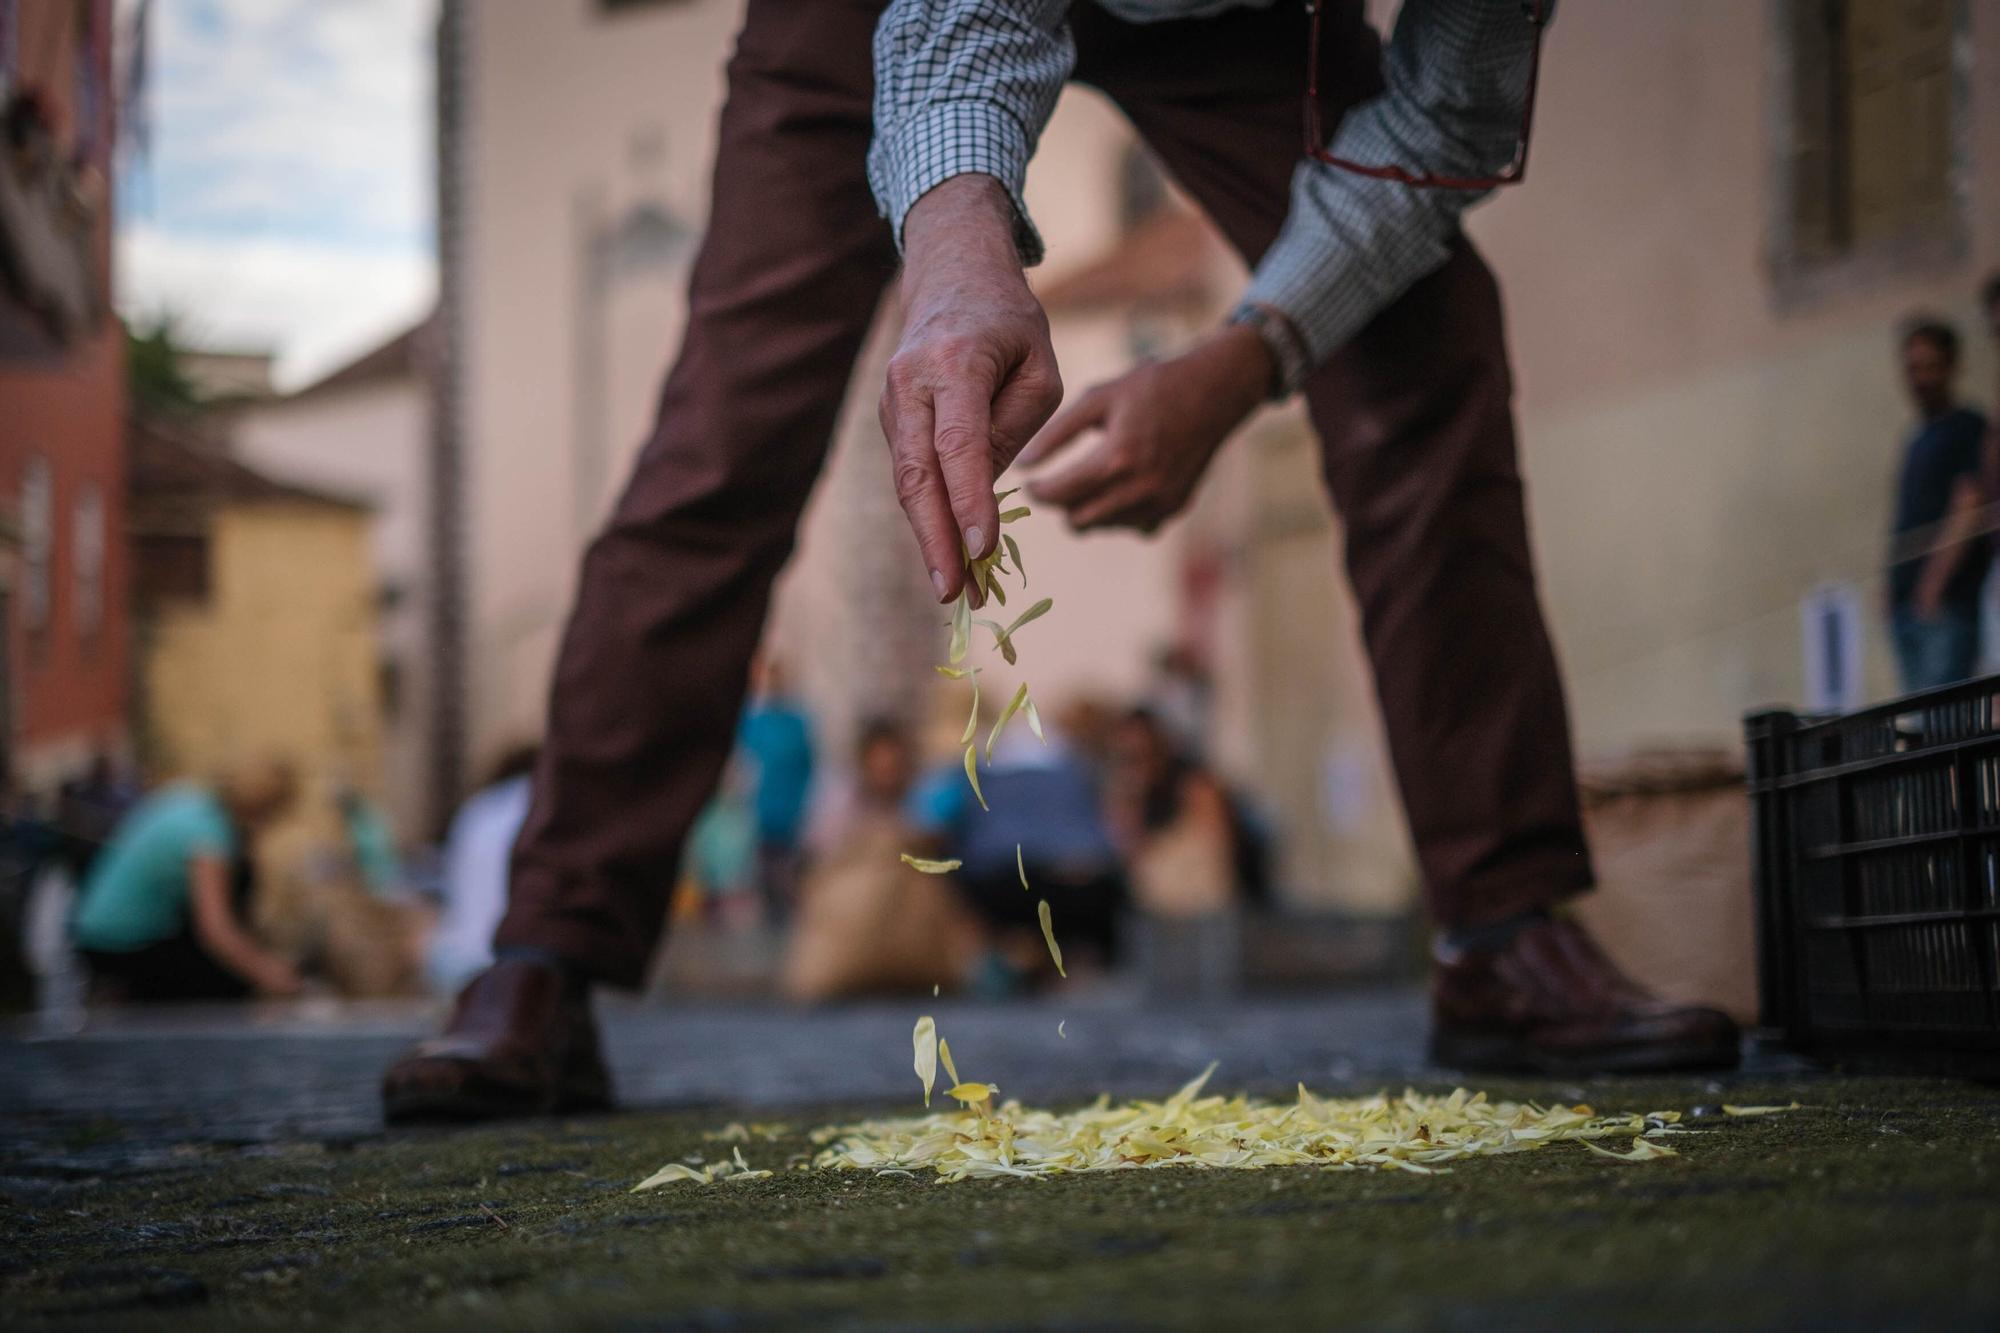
[(1414, 415)]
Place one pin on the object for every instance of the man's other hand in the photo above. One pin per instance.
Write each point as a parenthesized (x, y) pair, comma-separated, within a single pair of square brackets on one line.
[(974, 377), (1157, 425)]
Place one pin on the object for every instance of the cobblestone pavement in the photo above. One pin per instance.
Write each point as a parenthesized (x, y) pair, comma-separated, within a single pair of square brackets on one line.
[(228, 1169), (309, 1071)]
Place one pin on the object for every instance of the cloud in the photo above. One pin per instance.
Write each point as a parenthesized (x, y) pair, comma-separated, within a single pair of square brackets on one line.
[(315, 303), (289, 182)]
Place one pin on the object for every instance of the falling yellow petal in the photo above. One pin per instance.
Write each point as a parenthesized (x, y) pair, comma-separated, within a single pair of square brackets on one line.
[(1035, 612), (1000, 497), (1049, 934), (972, 774), (972, 718), (1014, 553), (926, 1039), (971, 1092), (1059, 1029), (955, 673), (961, 628), (1006, 715), (934, 990), (944, 1058), (1000, 639), (1035, 722), (1758, 1110), (1009, 515), (1020, 867), (930, 867)]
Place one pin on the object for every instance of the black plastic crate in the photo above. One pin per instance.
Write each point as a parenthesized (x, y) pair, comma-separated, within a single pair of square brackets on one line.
[(1875, 838)]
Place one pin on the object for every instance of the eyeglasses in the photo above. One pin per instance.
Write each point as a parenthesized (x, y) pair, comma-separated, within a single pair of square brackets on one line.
[(1512, 174)]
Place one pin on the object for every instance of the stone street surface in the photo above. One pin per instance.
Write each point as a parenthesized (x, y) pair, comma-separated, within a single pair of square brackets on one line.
[(207, 1168), (309, 1071)]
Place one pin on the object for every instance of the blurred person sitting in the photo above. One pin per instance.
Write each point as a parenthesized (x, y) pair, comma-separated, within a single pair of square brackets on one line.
[(474, 878), (725, 858), (849, 811), (1939, 557), (1191, 849), (89, 808), (163, 915), (867, 923), (370, 842), (1046, 808), (776, 733)]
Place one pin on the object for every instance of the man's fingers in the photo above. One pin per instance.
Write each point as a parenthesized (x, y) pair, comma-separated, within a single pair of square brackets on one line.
[(1089, 410), (1027, 400), (1082, 473), (906, 420), (1132, 505), (962, 436)]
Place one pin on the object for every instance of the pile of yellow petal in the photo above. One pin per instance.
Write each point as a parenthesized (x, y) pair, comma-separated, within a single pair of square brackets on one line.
[(1412, 1132)]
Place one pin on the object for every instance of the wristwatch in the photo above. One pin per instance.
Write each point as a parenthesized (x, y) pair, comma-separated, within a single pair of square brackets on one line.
[(1290, 361)]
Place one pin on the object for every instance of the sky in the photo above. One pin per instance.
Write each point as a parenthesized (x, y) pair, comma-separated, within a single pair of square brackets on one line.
[(285, 201)]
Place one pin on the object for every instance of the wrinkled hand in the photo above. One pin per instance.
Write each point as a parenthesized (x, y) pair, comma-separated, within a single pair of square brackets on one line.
[(1157, 425), (973, 378), (277, 980)]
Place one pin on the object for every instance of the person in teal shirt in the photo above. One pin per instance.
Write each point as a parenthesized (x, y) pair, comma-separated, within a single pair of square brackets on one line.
[(158, 918)]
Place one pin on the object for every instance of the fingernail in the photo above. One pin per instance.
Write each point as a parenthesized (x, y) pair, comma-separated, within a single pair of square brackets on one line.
[(937, 581), (975, 539)]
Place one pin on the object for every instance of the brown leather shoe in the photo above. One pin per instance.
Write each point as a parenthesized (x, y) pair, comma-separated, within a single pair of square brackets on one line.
[(520, 1042), (1548, 1001)]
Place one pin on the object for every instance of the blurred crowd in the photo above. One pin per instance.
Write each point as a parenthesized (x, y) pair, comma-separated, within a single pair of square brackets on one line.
[(116, 893)]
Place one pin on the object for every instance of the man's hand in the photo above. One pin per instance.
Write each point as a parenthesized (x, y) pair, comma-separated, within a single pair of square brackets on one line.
[(277, 979), (1159, 425), (974, 376)]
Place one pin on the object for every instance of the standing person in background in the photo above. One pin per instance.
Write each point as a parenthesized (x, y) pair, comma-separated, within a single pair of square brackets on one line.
[(162, 915), (778, 737), (1939, 558), (474, 879)]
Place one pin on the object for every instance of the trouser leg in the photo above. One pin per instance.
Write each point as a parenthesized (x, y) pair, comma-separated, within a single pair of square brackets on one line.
[(1416, 426), (673, 593)]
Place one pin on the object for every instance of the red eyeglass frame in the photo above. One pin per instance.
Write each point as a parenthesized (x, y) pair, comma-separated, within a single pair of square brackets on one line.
[(1513, 174)]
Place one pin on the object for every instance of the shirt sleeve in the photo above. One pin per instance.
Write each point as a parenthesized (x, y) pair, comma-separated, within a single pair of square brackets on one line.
[(963, 87), (1455, 85), (206, 830), (1969, 448)]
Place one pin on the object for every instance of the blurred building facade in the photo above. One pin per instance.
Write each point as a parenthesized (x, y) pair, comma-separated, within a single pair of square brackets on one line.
[(63, 619), (364, 431), (256, 607), (1731, 208)]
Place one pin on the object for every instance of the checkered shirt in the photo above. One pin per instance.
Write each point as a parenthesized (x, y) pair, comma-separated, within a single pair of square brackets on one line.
[(967, 86)]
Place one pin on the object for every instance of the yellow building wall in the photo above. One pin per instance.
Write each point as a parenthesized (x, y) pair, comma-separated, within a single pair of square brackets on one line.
[(280, 660)]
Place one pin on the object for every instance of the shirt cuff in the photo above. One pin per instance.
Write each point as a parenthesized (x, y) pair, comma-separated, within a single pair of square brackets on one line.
[(954, 139), (1332, 269)]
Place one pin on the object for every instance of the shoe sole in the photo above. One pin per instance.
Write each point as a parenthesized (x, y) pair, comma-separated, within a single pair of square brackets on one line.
[(1493, 1053)]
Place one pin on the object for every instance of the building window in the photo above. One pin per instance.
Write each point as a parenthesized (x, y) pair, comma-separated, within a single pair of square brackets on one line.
[(1869, 108), (38, 541), (87, 560)]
